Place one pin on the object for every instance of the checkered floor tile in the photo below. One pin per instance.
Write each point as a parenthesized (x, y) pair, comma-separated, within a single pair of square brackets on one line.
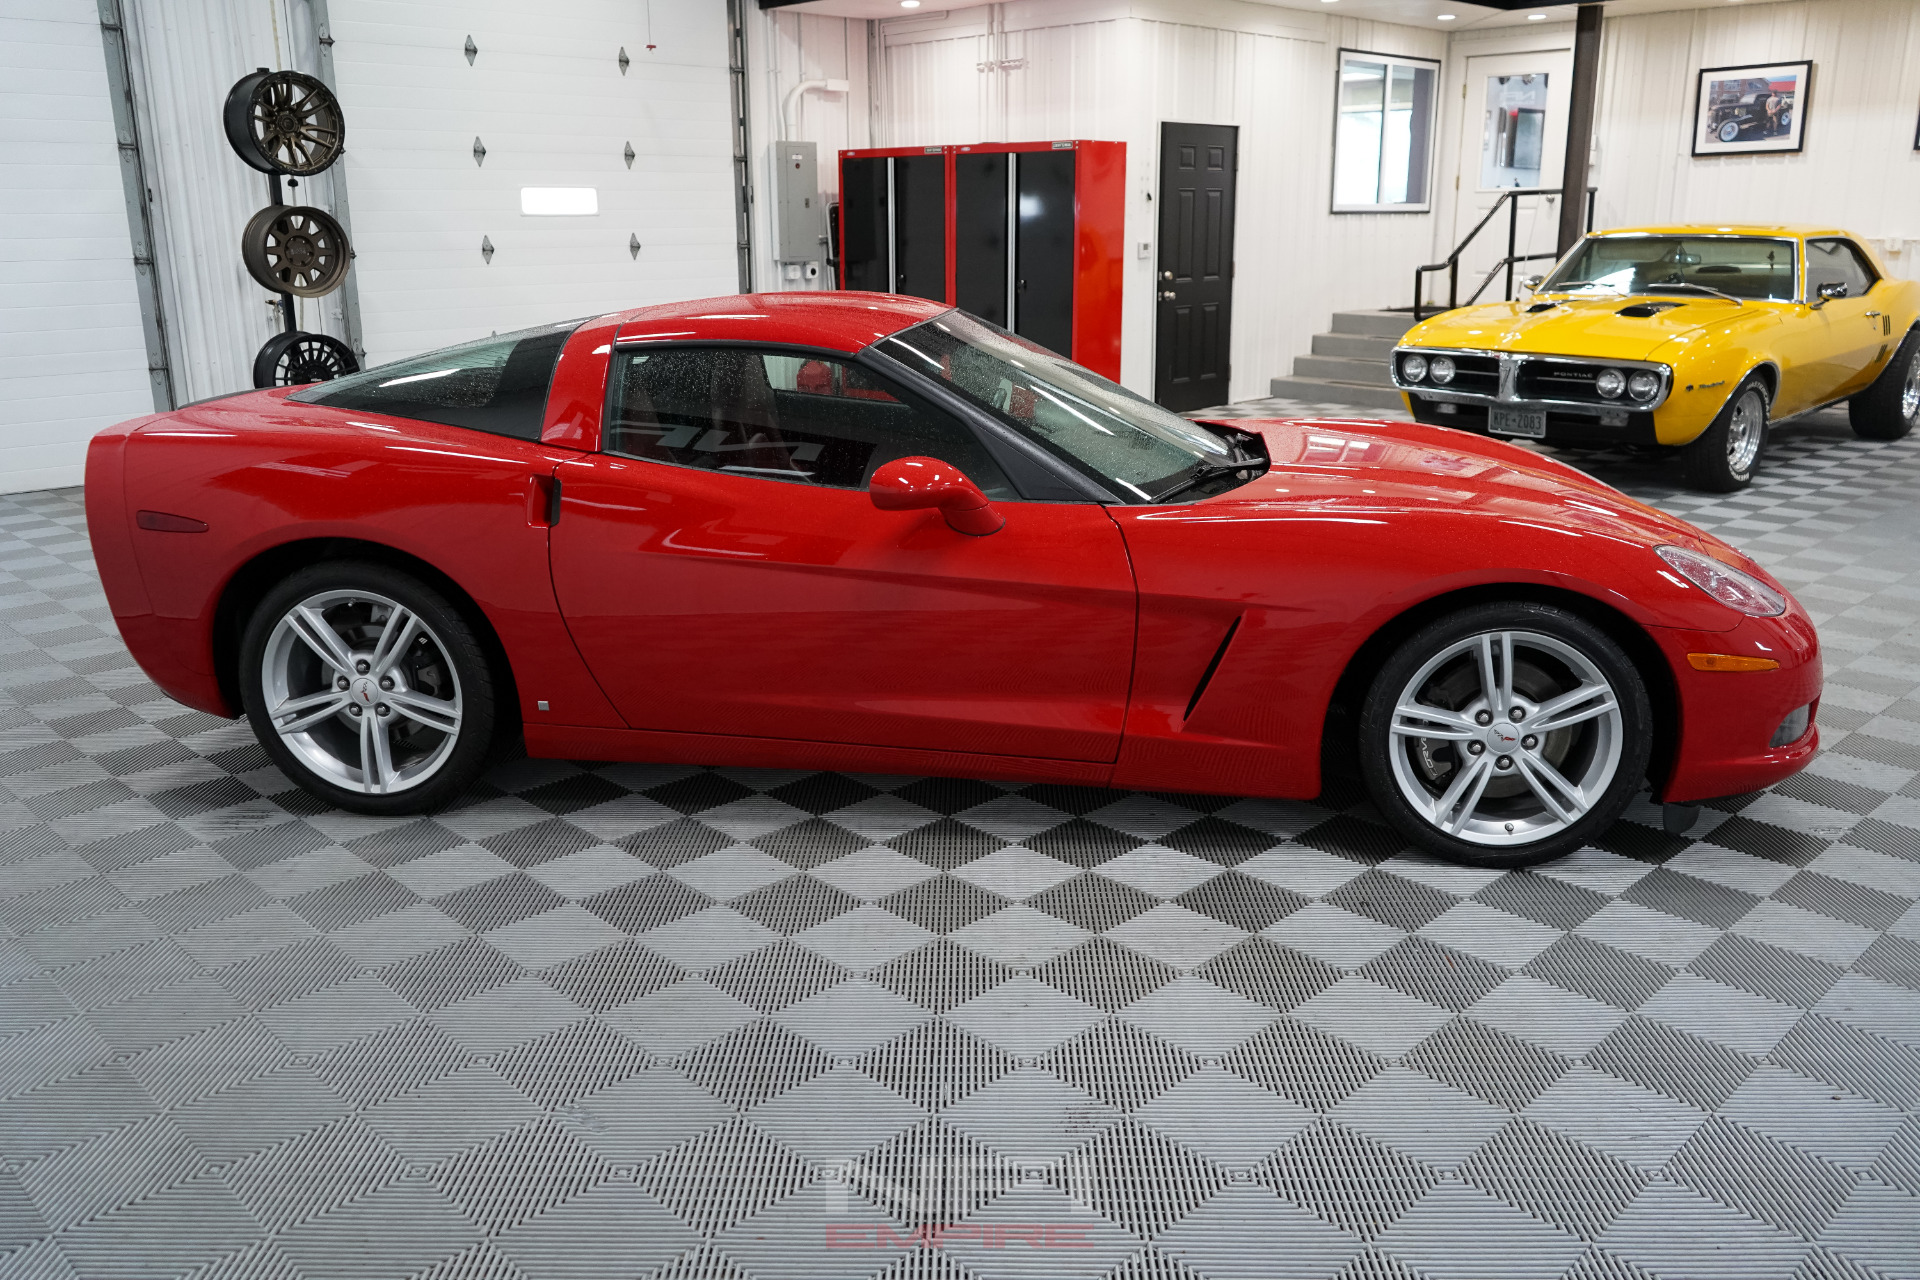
[(632, 1021)]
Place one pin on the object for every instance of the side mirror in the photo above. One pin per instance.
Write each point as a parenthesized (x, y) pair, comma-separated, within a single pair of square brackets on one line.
[(1532, 283), (915, 484), (1828, 292)]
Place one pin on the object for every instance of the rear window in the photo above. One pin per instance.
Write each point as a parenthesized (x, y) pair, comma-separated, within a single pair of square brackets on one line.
[(497, 385)]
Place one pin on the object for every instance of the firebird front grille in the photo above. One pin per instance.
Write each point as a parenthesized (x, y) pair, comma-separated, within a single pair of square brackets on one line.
[(1540, 381)]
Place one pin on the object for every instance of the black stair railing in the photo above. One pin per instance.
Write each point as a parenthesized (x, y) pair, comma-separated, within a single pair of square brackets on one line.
[(1511, 201)]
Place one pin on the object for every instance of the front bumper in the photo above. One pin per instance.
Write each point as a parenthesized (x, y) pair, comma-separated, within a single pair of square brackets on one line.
[(1726, 719), (1560, 387), (1576, 428)]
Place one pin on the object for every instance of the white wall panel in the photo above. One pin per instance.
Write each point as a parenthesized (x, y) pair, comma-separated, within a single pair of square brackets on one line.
[(72, 355), (1858, 169), (1116, 71), (546, 96)]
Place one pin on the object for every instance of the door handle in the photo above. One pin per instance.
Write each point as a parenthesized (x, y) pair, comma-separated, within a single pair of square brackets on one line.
[(1873, 315), (1166, 295)]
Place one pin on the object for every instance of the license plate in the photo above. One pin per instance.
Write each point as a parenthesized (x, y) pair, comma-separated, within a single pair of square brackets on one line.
[(1531, 423)]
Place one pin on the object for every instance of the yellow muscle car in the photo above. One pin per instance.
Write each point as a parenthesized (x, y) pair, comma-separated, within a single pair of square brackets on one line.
[(1695, 338)]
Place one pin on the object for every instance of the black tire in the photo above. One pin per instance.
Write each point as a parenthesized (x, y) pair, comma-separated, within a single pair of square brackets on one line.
[(298, 358), (1890, 408), (448, 659), (1606, 754), (1711, 462)]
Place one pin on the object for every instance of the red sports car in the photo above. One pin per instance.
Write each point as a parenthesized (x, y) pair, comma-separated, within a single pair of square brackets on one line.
[(864, 532)]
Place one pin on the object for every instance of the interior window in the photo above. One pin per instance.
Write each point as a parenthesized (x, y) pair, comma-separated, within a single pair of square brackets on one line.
[(800, 418), (1837, 262), (498, 384)]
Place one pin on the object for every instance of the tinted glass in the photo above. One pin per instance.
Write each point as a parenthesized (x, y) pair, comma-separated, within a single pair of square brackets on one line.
[(1837, 262), (1097, 425), (1743, 266), (799, 418), (497, 384)]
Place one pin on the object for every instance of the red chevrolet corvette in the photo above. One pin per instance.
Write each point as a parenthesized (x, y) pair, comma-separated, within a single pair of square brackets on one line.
[(864, 532)]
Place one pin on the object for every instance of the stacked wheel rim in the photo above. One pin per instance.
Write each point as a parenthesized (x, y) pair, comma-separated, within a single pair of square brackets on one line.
[(285, 122)]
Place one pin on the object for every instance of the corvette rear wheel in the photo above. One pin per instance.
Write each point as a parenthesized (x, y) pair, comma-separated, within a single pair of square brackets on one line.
[(1890, 408), (367, 688), (1505, 735), (1724, 457)]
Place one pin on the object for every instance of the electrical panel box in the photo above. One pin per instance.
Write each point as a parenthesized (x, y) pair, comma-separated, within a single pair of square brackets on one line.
[(799, 208)]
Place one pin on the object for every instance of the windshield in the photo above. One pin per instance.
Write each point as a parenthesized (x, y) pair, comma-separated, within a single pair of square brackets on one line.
[(1102, 428), (1743, 266)]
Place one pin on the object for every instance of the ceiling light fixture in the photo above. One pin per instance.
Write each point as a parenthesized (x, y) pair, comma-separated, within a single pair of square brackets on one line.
[(1446, 17), (909, 4), (1536, 17)]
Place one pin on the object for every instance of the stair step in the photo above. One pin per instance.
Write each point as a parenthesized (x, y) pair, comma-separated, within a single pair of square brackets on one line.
[(1354, 346), (1370, 372), (1378, 324), (1326, 391)]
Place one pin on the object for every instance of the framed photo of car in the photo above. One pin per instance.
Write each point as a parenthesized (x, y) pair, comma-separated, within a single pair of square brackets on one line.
[(1753, 109)]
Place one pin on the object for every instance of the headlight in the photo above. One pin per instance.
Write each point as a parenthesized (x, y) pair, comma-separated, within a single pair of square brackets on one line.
[(1741, 592), (1610, 383), (1413, 368), (1442, 369), (1643, 385)]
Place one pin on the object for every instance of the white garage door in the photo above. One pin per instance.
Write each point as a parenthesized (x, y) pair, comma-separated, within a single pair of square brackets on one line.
[(547, 98), (72, 355)]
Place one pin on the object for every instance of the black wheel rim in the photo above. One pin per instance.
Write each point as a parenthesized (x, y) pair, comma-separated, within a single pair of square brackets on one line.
[(312, 358)]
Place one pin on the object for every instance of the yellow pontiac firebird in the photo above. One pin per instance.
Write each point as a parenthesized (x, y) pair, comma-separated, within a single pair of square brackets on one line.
[(1695, 338)]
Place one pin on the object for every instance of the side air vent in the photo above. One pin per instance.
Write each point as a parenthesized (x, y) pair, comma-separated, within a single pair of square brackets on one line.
[(1641, 310)]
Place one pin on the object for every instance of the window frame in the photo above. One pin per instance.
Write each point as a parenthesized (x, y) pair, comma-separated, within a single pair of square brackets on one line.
[(1014, 457), (1874, 278), (1436, 66)]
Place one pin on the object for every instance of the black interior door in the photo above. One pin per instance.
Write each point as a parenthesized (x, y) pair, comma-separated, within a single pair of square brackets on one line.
[(1043, 249), (920, 226), (1194, 314), (863, 212), (980, 234)]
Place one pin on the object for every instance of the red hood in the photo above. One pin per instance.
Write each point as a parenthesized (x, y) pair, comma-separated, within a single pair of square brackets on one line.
[(1377, 467)]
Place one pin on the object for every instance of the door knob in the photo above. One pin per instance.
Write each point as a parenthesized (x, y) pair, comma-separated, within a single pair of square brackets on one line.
[(1166, 295), (1166, 275)]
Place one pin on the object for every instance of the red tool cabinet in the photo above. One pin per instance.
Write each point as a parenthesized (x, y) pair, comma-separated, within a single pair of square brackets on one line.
[(1029, 235)]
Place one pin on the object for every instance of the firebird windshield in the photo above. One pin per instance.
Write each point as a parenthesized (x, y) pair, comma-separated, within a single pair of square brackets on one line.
[(1741, 266), (1099, 426)]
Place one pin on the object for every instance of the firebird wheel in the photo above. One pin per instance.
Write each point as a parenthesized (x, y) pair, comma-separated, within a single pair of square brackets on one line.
[(1724, 457), (367, 689), (1890, 408), (1505, 735)]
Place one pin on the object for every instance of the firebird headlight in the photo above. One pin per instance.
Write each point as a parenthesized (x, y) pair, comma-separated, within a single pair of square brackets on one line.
[(1610, 383), (1643, 385), (1413, 368), (1741, 592), (1442, 369)]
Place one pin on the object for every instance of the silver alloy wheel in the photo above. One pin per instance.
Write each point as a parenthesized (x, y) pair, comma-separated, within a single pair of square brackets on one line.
[(1910, 394), (1530, 743), (1744, 430), (362, 691)]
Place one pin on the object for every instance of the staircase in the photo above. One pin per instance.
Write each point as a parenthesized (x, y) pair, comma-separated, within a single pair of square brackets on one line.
[(1349, 365)]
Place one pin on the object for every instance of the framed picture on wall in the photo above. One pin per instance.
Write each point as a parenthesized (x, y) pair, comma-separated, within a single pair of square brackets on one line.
[(1753, 109)]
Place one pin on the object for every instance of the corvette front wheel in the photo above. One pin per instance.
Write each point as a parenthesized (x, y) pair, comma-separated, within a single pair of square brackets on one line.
[(367, 688), (1505, 735)]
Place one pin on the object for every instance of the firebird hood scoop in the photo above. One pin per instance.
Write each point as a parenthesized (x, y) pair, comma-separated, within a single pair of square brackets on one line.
[(1644, 310)]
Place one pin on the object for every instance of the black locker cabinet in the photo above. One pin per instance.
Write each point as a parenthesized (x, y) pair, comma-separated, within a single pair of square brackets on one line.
[(920, 226), (980, 234), (895, 224), (865, 252)]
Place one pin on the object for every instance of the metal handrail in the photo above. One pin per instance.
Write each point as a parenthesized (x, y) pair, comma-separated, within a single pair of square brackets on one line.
[(1511, 199)]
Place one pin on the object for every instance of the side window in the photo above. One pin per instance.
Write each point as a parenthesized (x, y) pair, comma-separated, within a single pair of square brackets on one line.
[(498, 384), (804, 419), (1837, 262)]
